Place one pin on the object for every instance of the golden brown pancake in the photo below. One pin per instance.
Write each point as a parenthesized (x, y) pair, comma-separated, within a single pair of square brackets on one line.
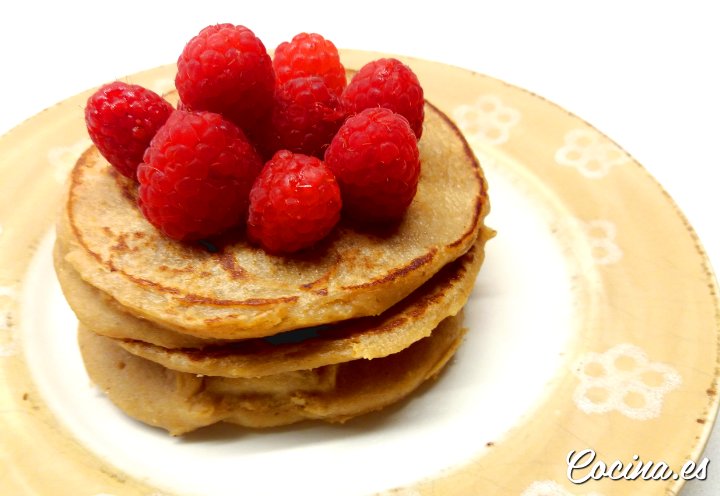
[(241, 292), (369, 337), (181, 402), (107, 317)]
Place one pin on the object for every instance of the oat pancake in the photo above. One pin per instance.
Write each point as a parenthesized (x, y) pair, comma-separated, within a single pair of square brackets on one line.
[(181, 402), (369, 337), (240, 291), (107, 317)]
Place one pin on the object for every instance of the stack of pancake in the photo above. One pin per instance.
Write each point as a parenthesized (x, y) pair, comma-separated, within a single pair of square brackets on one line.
[(181, 335)]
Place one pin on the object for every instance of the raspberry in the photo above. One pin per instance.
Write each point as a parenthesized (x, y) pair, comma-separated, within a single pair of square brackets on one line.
[(196, 176), (294, 203), (387, 83), (305, 118), (226, 69), (121, 120), (375, 158), (309, 54)]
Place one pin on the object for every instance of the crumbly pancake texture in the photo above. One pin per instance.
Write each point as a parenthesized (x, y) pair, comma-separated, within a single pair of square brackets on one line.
[(238, 291), (369, 337), (181, 402)]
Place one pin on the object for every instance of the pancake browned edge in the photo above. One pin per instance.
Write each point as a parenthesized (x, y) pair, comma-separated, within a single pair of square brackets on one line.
[(240, 291), (181, 402), (411, 319)]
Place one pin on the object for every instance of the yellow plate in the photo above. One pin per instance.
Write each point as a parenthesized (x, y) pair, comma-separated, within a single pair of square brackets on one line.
[(594, 325)]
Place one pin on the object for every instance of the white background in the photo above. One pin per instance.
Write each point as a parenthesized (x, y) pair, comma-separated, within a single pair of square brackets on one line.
[(644, 73)]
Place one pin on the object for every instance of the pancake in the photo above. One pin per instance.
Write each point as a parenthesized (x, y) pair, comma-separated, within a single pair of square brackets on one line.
[(370, 337), (181, 402), (238, 291), (107, 317)]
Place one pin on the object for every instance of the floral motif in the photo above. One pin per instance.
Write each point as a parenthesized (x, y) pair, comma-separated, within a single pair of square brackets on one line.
[(623, 379), (550, 488), (591, 154), (601, 236), (5, 319), (150, 494), (63, 158), (487, 120), (8, 291), (8, 346), (400, 492), (162, 85), (8, 349)]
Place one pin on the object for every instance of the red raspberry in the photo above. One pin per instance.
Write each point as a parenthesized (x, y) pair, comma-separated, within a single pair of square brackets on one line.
[(226, 69), (387, 83), (197, 175), (294, 203), (305, 118), (375, 158), (121, 120), (309, 54)]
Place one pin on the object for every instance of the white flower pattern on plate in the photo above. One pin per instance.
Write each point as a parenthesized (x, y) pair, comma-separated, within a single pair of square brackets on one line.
[(8, 349), (150, 494), (550, 488), (400, 492), (63, 158), (591, 154), (8, 346), (8, 291), (623, 379), (601, 236), (488, 120), (162, 86)]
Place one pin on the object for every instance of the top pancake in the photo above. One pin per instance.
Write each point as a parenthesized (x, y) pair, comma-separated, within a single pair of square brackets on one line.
[(240, 291)]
